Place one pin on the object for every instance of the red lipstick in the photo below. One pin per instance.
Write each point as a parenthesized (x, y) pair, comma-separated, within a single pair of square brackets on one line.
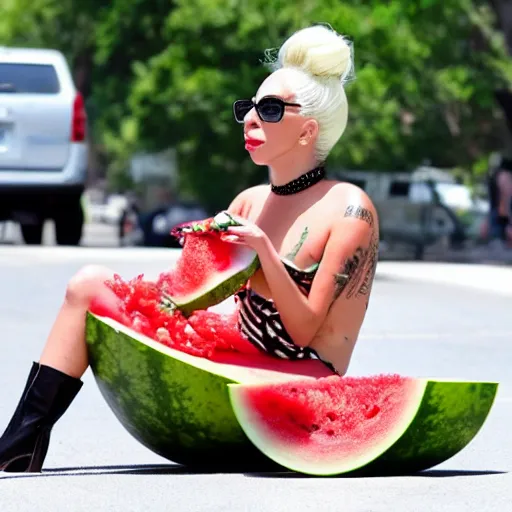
[(252, 144)]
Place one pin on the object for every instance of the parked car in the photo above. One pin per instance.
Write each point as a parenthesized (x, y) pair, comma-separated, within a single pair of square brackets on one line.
[(152, 229), (43, 146), (419, 209)]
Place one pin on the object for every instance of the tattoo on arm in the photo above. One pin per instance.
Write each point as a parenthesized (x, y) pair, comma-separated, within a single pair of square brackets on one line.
[(345, 276), (358, 271), (359, 212), (340, 282), (291, 255)]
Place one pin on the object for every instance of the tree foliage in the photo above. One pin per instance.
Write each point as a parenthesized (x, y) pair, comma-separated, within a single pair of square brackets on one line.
[(165, 73)]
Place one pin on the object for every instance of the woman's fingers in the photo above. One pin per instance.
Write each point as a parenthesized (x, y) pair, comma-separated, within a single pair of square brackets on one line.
[(238, 230), (234, 239)]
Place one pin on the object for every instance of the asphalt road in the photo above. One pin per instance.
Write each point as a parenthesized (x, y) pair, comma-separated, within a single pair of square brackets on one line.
[(413, 328)]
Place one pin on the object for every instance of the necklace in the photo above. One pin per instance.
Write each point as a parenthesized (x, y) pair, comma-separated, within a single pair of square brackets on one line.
[(303, 182)]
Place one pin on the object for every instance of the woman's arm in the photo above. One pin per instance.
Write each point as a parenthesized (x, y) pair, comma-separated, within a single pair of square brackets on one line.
[(347, 268)]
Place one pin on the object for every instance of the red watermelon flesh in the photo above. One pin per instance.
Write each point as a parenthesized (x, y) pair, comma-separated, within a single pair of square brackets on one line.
[(203, 256), (208, 271), (330, 410), (322, 423), (173, 310), (201, 334)]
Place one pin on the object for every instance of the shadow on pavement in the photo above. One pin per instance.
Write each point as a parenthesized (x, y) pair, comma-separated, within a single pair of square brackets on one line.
[(175, 469), (454, 472), (429, 473)]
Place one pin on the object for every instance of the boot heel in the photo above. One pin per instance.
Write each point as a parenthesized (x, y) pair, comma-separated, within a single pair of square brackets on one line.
[(17, 464), (40, 452), (30, 462)]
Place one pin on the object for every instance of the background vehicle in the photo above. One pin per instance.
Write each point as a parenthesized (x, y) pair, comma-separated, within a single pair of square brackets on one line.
[(155, 205), (152, 229), (43, 150), (421, 209)]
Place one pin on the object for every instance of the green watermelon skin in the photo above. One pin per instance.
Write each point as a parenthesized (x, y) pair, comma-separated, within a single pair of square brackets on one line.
[(223, 290), (450, 416), (446, 417), (177, 410)]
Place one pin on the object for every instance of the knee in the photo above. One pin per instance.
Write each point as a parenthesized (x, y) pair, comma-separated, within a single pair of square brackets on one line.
[(87, 283)]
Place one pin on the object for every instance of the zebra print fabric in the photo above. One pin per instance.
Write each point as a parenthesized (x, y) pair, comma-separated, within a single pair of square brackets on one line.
[(261, 324)]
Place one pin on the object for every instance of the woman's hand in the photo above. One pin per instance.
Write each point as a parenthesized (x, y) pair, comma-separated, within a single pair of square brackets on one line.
[(247, 234)]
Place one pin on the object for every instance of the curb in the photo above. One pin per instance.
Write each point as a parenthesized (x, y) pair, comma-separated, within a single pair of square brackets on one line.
[(486, 278)]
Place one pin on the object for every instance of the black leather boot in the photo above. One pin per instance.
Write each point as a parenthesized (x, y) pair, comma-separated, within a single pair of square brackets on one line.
[(47, 395)]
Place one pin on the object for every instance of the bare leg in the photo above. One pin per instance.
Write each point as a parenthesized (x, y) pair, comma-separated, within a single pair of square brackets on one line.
[(65, 348)]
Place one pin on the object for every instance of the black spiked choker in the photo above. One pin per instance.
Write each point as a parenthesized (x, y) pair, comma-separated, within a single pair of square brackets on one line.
[(301, 183)]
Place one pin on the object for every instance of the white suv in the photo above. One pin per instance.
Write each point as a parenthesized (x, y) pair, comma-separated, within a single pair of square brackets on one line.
[(43, 150)]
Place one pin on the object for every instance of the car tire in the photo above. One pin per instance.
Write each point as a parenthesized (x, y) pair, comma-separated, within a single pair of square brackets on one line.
[(32, 233), (69, 224), (419, 252)]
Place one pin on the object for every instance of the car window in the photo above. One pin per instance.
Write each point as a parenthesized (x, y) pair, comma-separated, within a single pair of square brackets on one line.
[(28, 79), (399, 188), (455, 195), (420, 192)]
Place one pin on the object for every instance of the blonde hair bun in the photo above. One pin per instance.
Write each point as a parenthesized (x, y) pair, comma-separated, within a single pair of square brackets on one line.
[(318, 51)]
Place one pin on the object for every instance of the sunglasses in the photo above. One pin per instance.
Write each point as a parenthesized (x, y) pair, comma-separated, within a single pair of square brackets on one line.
[(270, 110)]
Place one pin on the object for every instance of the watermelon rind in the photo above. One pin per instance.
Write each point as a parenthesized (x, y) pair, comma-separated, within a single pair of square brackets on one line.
[(441, 418), (176, 404), (220, 285)]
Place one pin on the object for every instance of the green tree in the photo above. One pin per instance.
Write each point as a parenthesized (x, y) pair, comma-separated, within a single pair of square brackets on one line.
[(424, 88), (165, 73)]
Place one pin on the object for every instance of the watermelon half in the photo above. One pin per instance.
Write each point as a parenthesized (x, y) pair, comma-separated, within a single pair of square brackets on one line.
[(385, 424), (177, 404)]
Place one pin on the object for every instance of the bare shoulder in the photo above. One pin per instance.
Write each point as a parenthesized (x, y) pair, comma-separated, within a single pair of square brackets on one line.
[(243, 202), (351, 203)]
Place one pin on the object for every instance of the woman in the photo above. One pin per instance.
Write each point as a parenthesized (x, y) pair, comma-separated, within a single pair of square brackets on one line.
[(317, 241)]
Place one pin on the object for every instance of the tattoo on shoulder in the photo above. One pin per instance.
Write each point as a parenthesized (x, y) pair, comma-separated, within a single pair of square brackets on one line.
[(291, 255), (361, 213), (355, 278)]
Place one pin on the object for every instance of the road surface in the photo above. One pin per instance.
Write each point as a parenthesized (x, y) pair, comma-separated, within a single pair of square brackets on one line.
[(94, 235), (413, 327)]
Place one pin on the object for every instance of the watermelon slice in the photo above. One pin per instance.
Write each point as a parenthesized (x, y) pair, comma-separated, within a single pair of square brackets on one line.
[(209, 270), (387, 424)]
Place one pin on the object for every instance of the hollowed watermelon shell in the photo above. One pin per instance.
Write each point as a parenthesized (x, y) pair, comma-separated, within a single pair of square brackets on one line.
[(177, 404)]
